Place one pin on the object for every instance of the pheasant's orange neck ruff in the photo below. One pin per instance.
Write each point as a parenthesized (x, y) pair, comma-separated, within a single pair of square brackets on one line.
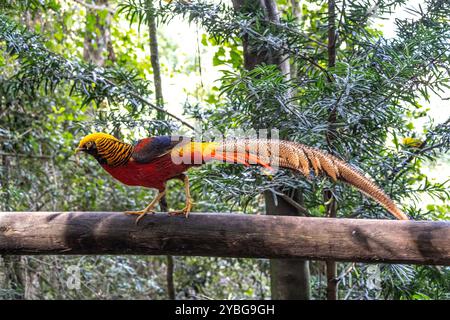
[(114, 152)]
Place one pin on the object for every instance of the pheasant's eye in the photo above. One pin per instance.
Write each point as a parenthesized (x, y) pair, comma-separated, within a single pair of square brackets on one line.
[(89, 145)]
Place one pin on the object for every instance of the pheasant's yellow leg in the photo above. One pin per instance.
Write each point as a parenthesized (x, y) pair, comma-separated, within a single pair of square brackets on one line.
[(185, 211), (149, 208)]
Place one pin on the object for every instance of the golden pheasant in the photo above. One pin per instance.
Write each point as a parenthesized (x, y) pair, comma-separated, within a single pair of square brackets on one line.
[(151, 162)]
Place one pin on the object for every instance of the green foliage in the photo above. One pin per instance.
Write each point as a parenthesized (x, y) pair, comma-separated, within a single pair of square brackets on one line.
[(378, 88), (45, 70)]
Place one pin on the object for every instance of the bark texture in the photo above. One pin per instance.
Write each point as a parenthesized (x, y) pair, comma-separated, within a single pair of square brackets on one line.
[(226, 235)]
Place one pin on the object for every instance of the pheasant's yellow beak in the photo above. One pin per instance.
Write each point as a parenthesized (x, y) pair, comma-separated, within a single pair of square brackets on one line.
[(77, 154)]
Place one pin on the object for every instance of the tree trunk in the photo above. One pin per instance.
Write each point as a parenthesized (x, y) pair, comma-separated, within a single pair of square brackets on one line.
[(169, 278), (329, 199), (154, 56), (12, 277), (30, 278), (154, 60), (97, 42), (252, 56), (296, 13), (169, 259), (289, 278)]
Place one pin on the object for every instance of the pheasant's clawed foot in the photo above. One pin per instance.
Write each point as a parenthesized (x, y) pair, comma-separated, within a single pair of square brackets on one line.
[(140, 213), (185, 211), (182, 212), (149, 208)]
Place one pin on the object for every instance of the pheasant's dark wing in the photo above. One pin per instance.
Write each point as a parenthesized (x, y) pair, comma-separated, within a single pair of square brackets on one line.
[(146, 150)]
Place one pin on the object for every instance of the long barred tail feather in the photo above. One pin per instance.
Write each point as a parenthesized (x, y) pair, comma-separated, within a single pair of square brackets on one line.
[(303, 159)]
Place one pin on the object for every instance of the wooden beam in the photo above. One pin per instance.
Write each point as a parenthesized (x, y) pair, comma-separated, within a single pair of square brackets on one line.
[(226, 235)]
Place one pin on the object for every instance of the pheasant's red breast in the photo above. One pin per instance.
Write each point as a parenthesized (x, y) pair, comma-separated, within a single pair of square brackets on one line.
[(151, 175)]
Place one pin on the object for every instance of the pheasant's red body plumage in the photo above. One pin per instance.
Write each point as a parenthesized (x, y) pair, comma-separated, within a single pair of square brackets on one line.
[(150, 175)]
